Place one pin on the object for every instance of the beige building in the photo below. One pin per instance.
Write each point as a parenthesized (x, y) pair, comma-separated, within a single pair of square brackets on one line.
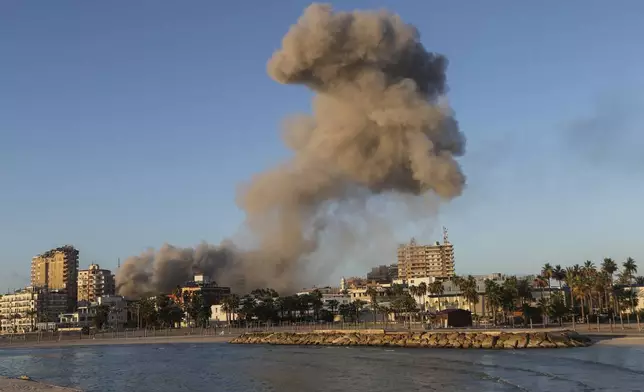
[(57, 269), (22, 310), (421, 261), (94, 283)]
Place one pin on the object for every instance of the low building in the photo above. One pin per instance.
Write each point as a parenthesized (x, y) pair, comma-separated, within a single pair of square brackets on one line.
[(21, 311), (220, 316), (212, 293), (117, 313), (454, 318)]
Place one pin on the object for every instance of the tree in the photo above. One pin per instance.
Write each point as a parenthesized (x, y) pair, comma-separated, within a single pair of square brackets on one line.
[(558, 274), (629, 268), (102, 316), (422, 292), (230, 305), (199, 310), (333, 305), (547, 272), (32, 313), (469, 291), (358, 306), (373, 296), (494, 296), (169, 313), (346, 311), (437, 288)]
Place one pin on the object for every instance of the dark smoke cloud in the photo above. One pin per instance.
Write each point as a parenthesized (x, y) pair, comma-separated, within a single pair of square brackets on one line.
[(380, 125)]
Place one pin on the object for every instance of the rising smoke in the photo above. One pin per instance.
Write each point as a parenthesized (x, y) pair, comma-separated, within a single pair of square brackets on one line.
[(379, 126)]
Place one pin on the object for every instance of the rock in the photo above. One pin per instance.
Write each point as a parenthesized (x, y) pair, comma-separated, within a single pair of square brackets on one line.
[(489, 341), (447, 339)]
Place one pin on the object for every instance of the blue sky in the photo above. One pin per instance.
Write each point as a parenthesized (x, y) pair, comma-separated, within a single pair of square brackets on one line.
[(127, 124)]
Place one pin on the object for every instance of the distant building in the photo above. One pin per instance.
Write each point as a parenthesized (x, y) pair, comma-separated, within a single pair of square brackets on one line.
[(57, 269), (212, 293), (352, 283), (219, 316), (420, 261), (117, 314), (383, 273), (393, 272), (94, 283), (23, 310)]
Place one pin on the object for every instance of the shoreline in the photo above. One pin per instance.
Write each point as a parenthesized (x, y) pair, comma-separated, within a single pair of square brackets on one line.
[(18, 385), (619, 341), (123, 341)]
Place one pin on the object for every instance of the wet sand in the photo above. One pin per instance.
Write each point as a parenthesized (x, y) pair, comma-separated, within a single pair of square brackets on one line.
[(621, 341), (14, 385), (114, 341)]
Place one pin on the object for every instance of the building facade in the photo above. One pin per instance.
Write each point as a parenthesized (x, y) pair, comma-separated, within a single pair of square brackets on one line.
[(23, 310), (420, 261), (94, 283), (383, 273), (57, 269), (212, 293)]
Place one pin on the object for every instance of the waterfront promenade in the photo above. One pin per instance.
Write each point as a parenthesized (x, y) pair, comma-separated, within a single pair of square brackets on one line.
[(219, 335)]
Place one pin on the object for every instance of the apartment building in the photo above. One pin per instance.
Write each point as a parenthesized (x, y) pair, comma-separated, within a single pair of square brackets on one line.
[(420, 261), (21, 311), (57, 269), (94, 283)]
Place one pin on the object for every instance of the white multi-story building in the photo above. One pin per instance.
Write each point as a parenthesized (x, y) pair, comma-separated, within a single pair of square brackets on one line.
[(21, 311), (84, 315), (94, 283)]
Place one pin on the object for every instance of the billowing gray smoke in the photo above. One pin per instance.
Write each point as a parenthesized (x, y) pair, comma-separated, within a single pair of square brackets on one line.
[(379, 125)]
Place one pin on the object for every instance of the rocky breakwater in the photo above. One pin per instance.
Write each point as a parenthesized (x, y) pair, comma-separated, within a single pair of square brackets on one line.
[(451, 339)]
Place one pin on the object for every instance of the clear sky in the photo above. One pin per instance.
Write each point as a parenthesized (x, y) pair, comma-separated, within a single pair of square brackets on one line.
[(125, 124)]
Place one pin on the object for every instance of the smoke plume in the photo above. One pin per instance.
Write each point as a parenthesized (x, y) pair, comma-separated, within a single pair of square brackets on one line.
[(379, 125)]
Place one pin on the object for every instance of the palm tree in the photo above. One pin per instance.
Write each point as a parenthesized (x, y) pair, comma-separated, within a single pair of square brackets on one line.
[(468, 289), (629, 268), (610, 267), (437, 288), (373, 295), (493, 296), (548, 273), (422, 291), (32, 313), (558, 274), (333, 305)]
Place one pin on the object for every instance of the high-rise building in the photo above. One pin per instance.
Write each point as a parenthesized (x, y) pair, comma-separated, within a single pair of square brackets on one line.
[(57, 269), (421, 261), (94, 283)]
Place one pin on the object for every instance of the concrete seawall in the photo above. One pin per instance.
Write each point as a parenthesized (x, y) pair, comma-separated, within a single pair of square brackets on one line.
[(429, 339)]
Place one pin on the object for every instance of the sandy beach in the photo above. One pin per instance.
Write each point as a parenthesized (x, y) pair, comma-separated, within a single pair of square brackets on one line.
[(621, 341), (112, 341), (15, 385)]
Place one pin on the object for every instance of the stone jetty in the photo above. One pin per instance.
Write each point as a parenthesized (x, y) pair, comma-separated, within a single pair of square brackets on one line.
[(429, 339)]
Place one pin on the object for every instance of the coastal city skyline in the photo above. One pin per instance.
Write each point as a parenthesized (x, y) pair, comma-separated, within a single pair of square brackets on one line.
[(347, 195), (528, 165)]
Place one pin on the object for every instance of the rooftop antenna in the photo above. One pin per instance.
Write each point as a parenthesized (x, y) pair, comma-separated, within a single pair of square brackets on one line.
[(445, 238)]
